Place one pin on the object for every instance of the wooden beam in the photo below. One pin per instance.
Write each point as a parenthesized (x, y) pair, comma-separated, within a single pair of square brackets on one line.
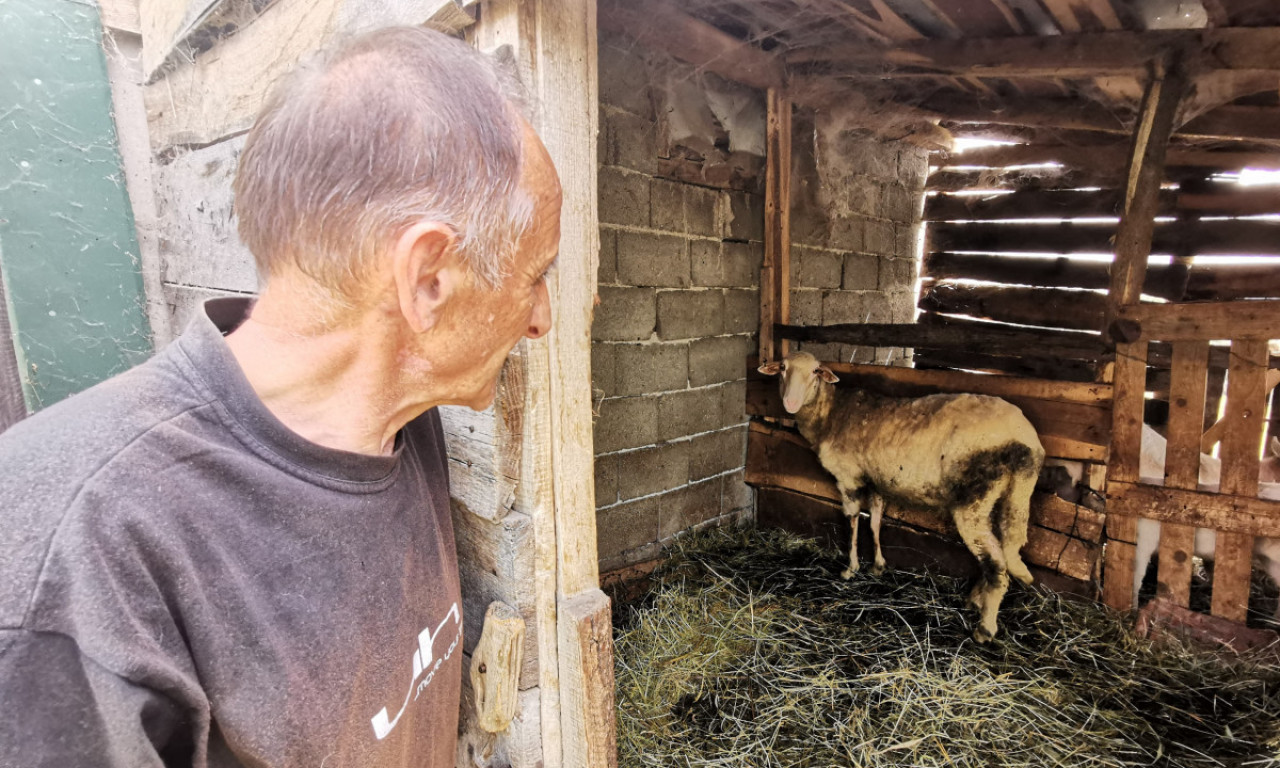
[(775, 272), (1052, 307), (1049, 204), (1122, 466), (953, 335), (1246, 406), (1257, 320), (1182, 463), (1198, 509), (1055, 56)]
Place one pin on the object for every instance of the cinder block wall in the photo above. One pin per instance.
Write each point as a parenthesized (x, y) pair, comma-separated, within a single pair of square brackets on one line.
[(679, 306), (855, 220), (681, 227)]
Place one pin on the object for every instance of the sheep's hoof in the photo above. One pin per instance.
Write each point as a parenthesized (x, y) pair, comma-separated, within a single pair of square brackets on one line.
[(1019, 571), (981, 635), (849, 573), (877, 569)]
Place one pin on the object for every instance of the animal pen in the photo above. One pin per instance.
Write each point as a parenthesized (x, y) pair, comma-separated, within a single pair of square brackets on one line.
[(745, 177)]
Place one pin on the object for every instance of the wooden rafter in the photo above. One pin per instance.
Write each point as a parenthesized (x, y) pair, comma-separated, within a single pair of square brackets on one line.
[(1107, 157), (1070, 56)]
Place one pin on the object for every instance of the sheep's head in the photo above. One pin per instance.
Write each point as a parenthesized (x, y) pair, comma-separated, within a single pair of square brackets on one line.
[(801, 375)]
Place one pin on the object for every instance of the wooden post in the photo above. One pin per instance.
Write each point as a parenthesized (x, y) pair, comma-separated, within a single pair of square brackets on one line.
[(1128, 271), (554, 42), (775, 274), (1246, 404), (1182, 463)]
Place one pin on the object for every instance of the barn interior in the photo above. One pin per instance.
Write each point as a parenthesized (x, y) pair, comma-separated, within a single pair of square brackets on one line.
[(1068, 203)]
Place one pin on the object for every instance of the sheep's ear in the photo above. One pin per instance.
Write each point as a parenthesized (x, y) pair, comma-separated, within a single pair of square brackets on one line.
[(770, 369), (827, 375)]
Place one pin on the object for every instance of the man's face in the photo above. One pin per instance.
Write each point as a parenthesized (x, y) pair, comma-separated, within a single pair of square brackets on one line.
[(489, 323)]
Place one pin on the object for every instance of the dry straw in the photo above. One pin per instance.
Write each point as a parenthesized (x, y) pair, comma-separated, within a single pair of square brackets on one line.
[(750, 652)]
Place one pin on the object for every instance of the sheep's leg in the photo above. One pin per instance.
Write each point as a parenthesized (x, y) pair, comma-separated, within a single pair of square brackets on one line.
[(973, 522), (1144, 550), (877, 513), (852, 509), (1013, 534)]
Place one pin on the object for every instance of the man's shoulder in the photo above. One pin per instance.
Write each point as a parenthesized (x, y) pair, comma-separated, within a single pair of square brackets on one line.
[(47, 460)]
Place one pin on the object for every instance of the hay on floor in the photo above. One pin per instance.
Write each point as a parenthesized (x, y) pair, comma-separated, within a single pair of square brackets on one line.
[(751, 651)]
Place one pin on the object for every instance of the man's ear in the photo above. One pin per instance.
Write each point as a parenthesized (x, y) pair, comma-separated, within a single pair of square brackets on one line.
[(827, 374), (424, 266), (770, 369)]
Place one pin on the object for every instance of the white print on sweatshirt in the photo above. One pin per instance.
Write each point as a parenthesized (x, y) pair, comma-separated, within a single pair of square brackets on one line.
[(424, 660)]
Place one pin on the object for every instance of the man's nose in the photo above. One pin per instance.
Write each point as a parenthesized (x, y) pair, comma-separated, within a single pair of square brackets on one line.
[(540, 319)]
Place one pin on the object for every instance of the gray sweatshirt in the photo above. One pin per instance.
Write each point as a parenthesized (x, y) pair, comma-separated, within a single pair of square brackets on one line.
[(185, 581)]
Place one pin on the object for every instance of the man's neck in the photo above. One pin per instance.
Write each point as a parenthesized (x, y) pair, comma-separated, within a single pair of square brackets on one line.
[(335, 386)]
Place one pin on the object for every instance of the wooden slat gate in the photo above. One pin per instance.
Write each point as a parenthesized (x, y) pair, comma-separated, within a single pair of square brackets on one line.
[(1234, 511)]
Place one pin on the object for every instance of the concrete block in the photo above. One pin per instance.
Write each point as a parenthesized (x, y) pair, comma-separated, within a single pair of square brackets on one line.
[(653, 260), (847, 307), (607, 272), (879, 238), (848, 232), (653, 470), (860, 196), (690, 314), (626, 422), (648, 368), (717, 452), (624, 76), (604, 370), (703, 210), (902, 306), (718, 359), (874, 158), (818, 269), (745, 219), (810, 225), (899, 204), (736, 494), (606, 480), (906, 243), (913, 167), (897, 273), (829, 352), (629, 141), (733, 403), (688, 507), (689, 412), (666, 205), (626, 526), (806, 306), (861, 272), (742, 311), (623, 197), (624, 314), (729, 264)]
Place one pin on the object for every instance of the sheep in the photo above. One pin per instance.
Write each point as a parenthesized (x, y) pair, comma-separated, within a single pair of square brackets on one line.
[(972, 458), (1269, 469), (1151, 470)]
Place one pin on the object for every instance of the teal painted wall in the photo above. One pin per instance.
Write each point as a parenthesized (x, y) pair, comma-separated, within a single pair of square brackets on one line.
[(69, 249)]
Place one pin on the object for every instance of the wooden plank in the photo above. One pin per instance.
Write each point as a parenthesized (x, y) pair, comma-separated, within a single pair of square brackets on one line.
[(1245, 410), (1241, 202), (1058, 308), (775, 273), (1242, 515), (1027, 204), (1191, 321), (588, 708), (1122, 466), (1258, 123), (660, 26), (13, 407), (1024, 178), (1231, 238), (953, 335), (1094, 394), (1114, 155), (1182, 463), (1067, 430), (159, 22), (1033, 367)]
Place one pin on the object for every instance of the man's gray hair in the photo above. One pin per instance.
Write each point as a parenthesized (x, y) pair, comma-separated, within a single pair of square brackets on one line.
[(400, 125)]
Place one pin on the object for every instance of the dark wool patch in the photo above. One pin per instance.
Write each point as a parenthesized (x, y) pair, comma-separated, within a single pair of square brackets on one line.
[(982, 470)]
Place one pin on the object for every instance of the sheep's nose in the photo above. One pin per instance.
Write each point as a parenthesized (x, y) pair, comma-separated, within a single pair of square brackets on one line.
[(540, 317)]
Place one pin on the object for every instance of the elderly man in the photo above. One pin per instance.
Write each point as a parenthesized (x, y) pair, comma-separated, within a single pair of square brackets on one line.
[(240, 553)]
